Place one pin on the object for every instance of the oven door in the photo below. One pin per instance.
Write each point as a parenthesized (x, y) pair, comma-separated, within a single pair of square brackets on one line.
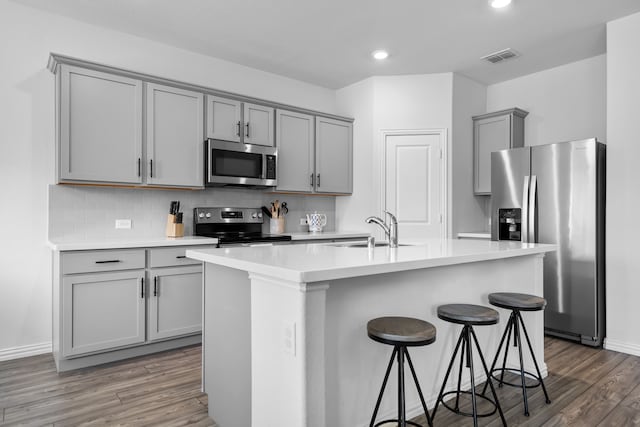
[(230, 163)]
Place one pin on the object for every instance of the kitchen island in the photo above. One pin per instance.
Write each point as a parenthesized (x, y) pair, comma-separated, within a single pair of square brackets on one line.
[(285, 343)]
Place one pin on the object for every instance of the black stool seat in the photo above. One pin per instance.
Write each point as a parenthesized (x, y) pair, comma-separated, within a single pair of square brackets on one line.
[(405, 331), (523, 302), (400, 332), (468, 314)]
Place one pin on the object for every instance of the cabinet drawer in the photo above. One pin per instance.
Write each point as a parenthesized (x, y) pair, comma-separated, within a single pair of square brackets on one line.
[(169, 257), (91, 261)]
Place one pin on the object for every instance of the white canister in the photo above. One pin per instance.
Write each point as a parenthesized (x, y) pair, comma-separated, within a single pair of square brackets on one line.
[(276, 225), (316, 221)]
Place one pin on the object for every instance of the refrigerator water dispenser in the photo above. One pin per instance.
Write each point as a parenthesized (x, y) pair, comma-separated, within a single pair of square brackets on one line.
[(510, 222)]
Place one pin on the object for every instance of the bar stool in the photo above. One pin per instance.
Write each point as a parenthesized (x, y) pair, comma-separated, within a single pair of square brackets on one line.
[(401, 332), (468, 315), (517, 303)]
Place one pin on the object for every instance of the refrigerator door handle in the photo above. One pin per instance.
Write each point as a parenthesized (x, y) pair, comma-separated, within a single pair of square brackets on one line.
[(533, 192), (525, 211)]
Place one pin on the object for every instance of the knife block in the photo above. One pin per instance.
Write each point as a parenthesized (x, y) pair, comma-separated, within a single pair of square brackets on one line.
[(174, 229)]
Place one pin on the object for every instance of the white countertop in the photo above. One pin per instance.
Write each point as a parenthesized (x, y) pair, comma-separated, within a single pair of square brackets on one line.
[(329, 235), (312, 262), (81, 244)]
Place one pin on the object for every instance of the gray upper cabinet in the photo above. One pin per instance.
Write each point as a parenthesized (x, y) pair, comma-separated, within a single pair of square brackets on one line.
[(334, 156), (100, 127), (495, 131), (236, 121), (174, 137), (295, 142), (224, 119)]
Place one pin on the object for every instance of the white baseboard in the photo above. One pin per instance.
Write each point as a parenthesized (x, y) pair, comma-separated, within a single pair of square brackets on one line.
[(25, 351), (622, 347)]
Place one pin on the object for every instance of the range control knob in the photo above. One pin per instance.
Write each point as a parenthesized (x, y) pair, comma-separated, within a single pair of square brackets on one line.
[(259, 214), (201, 215), (254, 215), (208, 215)]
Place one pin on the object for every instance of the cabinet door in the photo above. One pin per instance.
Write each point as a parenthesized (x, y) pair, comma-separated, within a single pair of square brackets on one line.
[(175, 302), (258, 124), (102, 311), (224, 119), (174, 137), (294, 140), (334, 156), (490, 134), (100, 127)]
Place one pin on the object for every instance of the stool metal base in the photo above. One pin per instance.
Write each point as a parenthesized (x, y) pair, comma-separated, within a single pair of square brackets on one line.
[(464, 345), (514, 326), (401, 353)]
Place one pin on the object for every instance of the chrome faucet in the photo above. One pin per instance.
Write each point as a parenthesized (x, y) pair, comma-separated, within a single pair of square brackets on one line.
[(391, 231)]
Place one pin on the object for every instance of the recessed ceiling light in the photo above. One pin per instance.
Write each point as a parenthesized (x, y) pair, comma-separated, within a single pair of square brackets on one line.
[(380, 54), (499, 3)]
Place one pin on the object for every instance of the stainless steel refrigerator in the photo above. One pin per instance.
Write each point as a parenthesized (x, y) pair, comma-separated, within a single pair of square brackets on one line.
[(555, 193)]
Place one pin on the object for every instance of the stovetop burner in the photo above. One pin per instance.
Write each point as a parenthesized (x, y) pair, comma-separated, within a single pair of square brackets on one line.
[(233, 225)]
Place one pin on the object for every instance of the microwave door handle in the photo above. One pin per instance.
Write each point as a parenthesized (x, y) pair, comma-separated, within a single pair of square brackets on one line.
[(524, 224), (533, 192), (264, 166)]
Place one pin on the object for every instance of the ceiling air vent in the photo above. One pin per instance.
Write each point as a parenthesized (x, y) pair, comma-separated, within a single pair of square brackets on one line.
[(501, 55)]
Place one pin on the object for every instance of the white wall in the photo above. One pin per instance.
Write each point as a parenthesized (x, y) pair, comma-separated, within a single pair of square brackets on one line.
[(28, 143), (623, 197), (469, 99), (387, 103), (564, 103)]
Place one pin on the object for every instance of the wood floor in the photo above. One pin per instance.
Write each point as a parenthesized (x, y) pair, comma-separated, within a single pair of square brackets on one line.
[(588, 387)]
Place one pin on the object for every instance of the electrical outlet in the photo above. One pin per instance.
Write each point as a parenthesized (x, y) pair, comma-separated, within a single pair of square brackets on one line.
[(123, 223), (303, 221), (289, 337)]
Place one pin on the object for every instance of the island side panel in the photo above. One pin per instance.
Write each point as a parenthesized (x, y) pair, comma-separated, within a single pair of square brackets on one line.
[(227, 345), (355, 364), (288, 362)]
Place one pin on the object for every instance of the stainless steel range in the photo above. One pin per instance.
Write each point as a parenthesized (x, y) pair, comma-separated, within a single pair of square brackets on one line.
[(233, 226)]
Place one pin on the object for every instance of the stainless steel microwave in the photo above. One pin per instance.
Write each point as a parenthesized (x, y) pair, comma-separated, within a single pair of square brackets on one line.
[(233, 163)]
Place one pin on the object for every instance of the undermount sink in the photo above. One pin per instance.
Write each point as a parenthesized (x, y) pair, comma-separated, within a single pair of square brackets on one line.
[(364, 245)]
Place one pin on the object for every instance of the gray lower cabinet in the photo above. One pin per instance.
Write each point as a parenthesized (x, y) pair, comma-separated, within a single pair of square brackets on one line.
[(334, 156), (113, 304), (100, 127), (315, 154), (175, 299), (495, 131), (174, 137), (102, 311)]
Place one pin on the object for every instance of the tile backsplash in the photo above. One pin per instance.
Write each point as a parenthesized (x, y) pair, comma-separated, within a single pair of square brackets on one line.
[(91, 212)]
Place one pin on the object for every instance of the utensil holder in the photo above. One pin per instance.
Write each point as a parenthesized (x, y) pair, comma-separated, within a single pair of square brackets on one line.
[(174, 229), (276, 225)]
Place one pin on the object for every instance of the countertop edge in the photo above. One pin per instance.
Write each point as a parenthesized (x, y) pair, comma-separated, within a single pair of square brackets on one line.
[(343, 272), (141, 242)]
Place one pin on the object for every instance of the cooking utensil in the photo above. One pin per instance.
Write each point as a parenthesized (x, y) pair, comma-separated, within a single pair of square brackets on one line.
[(284, 209), (266, 211)]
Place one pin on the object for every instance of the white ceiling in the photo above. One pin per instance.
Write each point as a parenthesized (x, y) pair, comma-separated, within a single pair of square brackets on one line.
[(328, 42)]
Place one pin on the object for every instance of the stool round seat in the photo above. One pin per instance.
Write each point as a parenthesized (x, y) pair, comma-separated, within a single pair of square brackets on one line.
[(468, 314), (404, 331), (523, 302)]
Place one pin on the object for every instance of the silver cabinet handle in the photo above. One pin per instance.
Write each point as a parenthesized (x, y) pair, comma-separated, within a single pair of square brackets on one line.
[(247, 125), (155, 286), (151, 168), (181, 256), (142, 287), (318, 180), (139, 166), (311, 183), (238, 131), (109, 261)]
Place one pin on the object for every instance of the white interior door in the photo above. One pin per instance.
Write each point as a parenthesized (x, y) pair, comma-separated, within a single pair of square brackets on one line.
[(414, 182)]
